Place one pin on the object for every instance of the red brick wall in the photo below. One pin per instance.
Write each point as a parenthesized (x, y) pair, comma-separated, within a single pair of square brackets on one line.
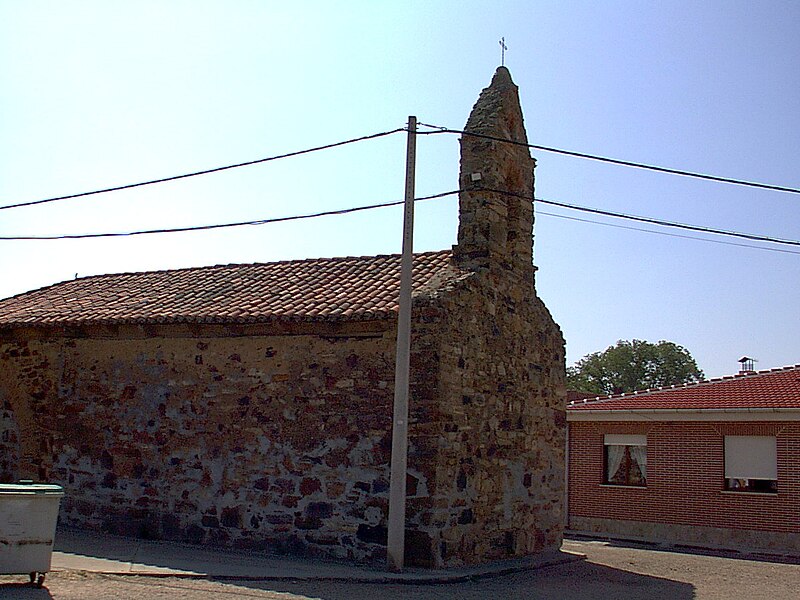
[(685, 477)]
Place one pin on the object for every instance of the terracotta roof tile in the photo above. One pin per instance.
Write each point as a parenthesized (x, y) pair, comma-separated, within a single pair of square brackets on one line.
[(325, 289), (775, 388)]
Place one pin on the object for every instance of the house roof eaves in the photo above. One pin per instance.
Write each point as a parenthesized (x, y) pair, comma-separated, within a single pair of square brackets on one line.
[(687, 386), (687, 414)]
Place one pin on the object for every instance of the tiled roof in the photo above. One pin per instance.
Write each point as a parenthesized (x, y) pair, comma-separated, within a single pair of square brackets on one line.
[(776, 388), (325, 289)]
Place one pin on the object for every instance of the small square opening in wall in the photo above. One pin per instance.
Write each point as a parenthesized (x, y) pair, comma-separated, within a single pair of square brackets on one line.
[(625, 460), (751, 463)]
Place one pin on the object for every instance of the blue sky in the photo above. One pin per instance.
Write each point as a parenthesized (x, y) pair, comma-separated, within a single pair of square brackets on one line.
[(98, 94)]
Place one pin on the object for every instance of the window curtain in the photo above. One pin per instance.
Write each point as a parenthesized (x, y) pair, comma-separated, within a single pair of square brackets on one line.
[(639, 455), (614, 456)]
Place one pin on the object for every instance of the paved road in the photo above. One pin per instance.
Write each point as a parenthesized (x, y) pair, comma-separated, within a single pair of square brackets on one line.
[(612, 572)]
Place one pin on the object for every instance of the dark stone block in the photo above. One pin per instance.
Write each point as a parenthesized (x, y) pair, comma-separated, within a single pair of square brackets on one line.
[(322, 510), (253, 545), (109, 481), (308, 522), (231, 517), (419, 549), (323, 540), (219, 537), (194, 534), (106, 461), (372, 535), (412, 484), (170, 526), (284, 485), (505, 543), (210, 521), (279, 519), (466, 517), (309, 485), (461, 481)]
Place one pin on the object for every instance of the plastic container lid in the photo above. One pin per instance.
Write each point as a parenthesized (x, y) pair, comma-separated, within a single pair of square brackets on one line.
[(26, 488)]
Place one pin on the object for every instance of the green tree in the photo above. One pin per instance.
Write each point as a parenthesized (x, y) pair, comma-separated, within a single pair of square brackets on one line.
[(633, 365)]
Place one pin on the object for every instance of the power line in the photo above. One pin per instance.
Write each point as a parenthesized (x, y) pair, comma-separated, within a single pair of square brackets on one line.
[(438, 129), (663, 223), (207, 171), (327, 213), (699, 228), (614, 161), (575, 207), (677, 235)]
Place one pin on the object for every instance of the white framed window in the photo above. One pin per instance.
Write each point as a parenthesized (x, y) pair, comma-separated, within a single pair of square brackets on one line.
[(751, 463), (625, 459)]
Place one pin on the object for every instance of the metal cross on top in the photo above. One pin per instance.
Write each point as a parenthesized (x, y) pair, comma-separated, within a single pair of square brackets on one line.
[(503, 49)]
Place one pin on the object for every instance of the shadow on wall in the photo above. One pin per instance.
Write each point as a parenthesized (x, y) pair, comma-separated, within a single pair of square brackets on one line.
[(9, 443)]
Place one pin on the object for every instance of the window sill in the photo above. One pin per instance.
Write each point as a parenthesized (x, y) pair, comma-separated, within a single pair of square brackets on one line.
[(626, 487), (744, 493)]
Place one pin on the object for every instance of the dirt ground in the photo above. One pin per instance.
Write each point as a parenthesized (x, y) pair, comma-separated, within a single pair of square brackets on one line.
[(611, 572)]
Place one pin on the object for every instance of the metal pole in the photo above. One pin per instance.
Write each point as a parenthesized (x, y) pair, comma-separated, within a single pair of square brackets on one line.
[(397, 482)]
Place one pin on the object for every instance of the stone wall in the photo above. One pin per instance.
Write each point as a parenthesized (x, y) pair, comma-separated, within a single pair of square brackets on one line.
[(498, 437), (263, 441), (9, 443)]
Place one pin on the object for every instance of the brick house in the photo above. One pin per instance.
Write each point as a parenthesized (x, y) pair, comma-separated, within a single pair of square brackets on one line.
[(251, 405), (714, 464)]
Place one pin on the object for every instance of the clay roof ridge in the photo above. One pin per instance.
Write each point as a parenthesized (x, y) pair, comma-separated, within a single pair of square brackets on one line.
[(704, 382), (207, 268), (338, 288)]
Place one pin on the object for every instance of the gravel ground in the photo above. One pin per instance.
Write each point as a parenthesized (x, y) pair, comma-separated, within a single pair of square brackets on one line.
[(611, 572)]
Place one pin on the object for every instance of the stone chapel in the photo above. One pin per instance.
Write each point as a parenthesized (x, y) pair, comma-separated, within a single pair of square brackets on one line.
[(250, 405)]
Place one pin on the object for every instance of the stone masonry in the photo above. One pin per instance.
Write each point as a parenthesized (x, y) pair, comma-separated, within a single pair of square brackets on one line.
[(275, 435)]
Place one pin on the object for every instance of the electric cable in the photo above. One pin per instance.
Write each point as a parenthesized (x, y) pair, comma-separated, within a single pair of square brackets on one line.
[(661, 222), (676, 235), (614, 161), (343, 211), (575, 207), (207, 171)]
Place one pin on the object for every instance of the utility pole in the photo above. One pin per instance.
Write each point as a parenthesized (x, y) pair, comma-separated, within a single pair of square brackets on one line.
[(397, 483)]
